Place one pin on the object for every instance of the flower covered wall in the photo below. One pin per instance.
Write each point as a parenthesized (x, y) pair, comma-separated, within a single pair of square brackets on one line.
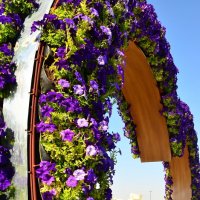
[(84, 42)]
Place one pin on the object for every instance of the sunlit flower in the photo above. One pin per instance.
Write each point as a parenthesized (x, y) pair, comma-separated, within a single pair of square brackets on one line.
[(79, 174), (71, 182), (82, 122), (67, 135), (91, 150)]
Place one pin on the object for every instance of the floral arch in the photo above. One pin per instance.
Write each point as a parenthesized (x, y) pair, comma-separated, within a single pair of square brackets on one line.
[(79, 69)]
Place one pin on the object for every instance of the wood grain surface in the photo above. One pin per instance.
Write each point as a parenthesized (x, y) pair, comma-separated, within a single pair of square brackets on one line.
[(142, 94), (180, 171)]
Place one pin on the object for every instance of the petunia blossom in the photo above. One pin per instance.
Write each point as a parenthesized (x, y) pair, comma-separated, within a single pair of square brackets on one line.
[(46, 127), (104, 125), (71, 182), (91, 150), (67, 135), (64, 83), (82, 122), (78, 89), (102, 60), (48, 195), (94, 85), (79, 174), (90, 198)]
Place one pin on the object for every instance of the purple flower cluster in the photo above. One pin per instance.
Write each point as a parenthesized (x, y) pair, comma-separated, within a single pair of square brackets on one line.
[(44, 172), (11, 21), (168, 181), (6, 169), (88, 177), (7, 68)]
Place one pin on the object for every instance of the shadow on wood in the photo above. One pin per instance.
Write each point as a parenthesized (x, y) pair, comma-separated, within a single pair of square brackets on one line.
[(142, 94), (180, 171)]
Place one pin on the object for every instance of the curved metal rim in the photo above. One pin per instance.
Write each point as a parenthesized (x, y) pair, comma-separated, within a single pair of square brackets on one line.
[(33, 117)]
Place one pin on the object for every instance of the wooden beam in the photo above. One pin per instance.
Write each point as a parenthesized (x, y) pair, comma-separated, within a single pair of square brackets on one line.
[(142, 94), (181, 174)]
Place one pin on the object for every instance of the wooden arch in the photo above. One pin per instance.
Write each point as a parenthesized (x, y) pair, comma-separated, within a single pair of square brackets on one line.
[(141, 92)]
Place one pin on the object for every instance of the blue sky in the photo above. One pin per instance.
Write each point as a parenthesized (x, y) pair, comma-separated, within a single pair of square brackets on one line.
[(182, 21)]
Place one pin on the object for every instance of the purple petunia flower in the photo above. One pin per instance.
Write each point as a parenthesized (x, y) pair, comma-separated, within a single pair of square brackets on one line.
[(46, 111), (50, 17), (43, 172), (6, 50), (52, 96), (36, 24), (45, 127), (108, 32), (78, 89), (67, 135), (6, 19), (71, 182), (47, 178), (102, 60), (70, 104), (79, 174), (46, 165), (116, 136), (64, 83), (108, 194), (91, 150), (94, 12), (4, 182), (79, 78), (49, 194), (103, 125), (82, 122), (45, 168), (120, 53), (68, 171), (90, 198), (70, 23), (91, 176), (61, 51), (94, 85), (94, 122)]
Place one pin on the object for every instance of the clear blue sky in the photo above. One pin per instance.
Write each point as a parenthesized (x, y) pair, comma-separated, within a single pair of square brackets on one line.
[(182, 21)]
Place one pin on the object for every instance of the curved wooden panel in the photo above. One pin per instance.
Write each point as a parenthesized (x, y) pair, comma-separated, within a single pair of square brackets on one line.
[(180, 171), (142, 94)]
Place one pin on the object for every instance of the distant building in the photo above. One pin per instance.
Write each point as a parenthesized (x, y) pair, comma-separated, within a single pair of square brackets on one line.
[(135, 197)]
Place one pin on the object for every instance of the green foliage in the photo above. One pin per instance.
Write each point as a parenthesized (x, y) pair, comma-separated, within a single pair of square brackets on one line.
[(22, 7), (54, 38), (176, 148), (63, 12), (7, 33)]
